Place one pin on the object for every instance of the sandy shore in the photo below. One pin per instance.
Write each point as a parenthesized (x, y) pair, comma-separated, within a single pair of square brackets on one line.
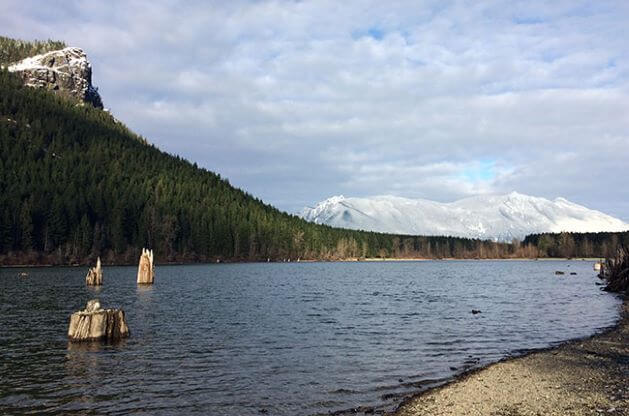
[(588, 377)]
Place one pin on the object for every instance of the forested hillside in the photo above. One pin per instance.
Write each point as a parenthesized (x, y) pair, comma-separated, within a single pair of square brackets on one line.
[(76, 184)]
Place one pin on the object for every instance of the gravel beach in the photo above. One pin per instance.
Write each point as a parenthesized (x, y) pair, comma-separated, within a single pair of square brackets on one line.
[(586, 377)]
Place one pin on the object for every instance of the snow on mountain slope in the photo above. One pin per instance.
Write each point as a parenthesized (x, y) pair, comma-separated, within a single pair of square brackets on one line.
[(66, 72), (496, 217)]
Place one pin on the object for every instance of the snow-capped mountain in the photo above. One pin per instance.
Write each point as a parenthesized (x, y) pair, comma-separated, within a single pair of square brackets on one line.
[(496, 217)]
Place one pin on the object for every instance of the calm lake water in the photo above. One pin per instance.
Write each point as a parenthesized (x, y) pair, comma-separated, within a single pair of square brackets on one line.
[(281, 339)]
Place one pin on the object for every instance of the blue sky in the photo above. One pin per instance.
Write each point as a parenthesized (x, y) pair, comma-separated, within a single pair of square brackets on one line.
[(298, 101)]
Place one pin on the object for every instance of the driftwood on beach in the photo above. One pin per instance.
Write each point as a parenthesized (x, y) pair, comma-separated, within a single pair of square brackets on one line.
[(95, 275), (97, 324), (146, 269)]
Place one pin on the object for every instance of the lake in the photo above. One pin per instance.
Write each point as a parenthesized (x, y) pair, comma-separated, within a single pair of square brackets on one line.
[(282, 338)]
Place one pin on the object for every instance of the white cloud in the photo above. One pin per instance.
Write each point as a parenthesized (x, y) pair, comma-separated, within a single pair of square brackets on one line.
[(297, 101)]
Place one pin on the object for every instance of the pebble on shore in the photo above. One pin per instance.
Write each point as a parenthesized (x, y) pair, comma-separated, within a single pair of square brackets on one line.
[(579, 378)]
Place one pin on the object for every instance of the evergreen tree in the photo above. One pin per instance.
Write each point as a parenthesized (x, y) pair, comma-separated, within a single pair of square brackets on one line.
[(26, 227)]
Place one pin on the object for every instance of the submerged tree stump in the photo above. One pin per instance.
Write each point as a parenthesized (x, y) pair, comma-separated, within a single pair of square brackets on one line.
[(146, 269), (95, 275), (97, 324)]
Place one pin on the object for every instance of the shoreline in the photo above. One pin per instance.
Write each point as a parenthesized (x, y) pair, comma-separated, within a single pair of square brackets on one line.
[(348, 260), (392, 259), (587, 376)]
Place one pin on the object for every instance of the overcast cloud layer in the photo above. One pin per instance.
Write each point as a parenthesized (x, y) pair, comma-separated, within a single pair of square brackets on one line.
[(296, 101)]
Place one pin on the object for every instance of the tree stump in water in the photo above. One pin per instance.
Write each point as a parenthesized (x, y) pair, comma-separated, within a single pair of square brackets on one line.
[(95, 275), (146, 270), (97, 324)]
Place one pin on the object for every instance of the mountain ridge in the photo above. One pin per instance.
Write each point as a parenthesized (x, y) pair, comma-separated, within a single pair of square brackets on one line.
[(499, 217)]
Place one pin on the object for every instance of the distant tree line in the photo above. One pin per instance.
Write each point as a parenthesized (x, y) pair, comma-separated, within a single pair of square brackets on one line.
[(13, 50), (602, 244)]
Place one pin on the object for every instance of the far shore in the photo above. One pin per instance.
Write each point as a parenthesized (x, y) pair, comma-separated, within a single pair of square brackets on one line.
[(582, 377), (348, 260), (476, 259)]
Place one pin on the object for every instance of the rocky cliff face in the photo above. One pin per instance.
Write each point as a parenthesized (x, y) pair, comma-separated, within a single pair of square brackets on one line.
[(67, 72)]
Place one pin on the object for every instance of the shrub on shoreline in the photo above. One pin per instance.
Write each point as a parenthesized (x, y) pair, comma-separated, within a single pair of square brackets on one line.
[(615, 271)]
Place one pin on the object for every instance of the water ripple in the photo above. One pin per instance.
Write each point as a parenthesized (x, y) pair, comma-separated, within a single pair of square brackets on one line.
[(285, 339)]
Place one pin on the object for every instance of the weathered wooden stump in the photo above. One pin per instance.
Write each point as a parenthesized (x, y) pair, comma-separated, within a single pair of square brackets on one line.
[(146, 269), (95, 275), (97, 324)]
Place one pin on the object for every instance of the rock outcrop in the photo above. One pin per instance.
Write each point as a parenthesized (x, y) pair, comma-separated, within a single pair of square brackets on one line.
[(67, 72), (97, 324), (146, 269), (95, 275)]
